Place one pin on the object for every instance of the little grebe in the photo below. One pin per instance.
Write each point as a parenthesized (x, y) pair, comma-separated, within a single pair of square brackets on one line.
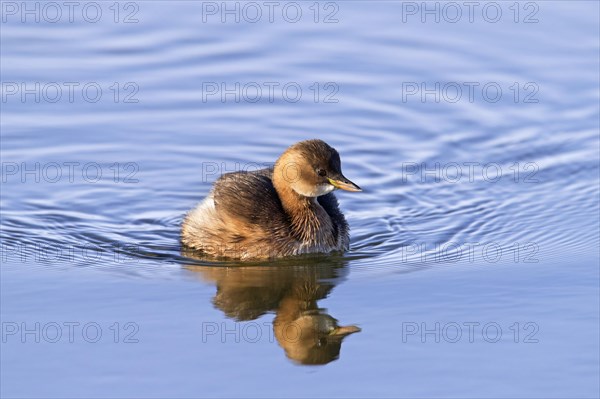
[(270, 213)]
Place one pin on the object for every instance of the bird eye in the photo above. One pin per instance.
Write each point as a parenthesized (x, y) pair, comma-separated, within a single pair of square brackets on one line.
[(322, 172)]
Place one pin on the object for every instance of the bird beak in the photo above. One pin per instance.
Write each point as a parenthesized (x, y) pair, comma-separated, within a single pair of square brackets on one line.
[(342, 331), (344, 184)]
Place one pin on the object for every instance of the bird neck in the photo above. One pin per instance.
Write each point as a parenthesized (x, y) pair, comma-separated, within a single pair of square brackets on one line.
[(308, 218)]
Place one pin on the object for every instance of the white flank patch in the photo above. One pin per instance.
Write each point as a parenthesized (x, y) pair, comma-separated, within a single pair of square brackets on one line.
[(204, 212)]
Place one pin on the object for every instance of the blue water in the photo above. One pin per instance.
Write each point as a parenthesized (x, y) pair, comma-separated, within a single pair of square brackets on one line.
[(474, 261)]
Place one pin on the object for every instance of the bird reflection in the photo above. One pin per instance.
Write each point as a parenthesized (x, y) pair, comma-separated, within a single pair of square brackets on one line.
[(291, 289)]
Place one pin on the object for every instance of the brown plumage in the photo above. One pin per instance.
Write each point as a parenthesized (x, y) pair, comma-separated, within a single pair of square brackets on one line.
[(271, 213)]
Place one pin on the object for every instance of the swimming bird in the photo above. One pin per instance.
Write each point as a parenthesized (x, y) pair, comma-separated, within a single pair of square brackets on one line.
[(286, 210)]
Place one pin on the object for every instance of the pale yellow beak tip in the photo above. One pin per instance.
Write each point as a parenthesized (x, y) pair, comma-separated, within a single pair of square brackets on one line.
[(345, 185)]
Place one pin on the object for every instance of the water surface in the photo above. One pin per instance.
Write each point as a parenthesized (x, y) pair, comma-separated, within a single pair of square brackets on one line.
[(473, 268)]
